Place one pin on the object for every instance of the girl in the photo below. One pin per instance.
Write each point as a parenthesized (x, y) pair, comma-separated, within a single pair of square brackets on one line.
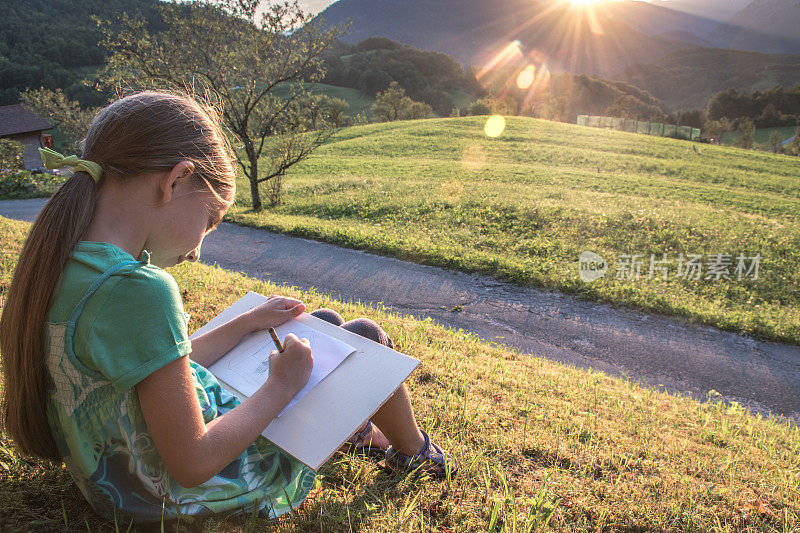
[(98, 368)]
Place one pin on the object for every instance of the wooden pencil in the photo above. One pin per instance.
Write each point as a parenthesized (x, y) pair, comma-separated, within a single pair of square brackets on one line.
[(276, 340)]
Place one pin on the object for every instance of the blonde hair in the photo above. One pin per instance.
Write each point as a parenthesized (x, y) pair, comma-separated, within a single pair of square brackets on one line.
[(141, 133)]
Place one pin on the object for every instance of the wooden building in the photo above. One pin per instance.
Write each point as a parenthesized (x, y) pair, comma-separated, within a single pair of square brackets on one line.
[(19, 123)]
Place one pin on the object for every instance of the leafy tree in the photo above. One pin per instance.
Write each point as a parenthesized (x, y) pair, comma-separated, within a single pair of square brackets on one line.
[(775, 140), (10, 156), (393, 104), (233, 55), (335, 109), (748, 130), (794, 146), (71, 119), (775, 107), (716, 129), (481, 107)]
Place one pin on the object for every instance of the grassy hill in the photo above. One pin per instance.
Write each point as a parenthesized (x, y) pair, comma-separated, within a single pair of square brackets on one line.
[(522, 207), (358, 101), (543, 446)]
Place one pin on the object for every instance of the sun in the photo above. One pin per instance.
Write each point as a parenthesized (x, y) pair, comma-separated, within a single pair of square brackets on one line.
[(582, 3)]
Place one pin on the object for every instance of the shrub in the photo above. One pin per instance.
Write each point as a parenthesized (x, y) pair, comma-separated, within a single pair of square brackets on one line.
[(393, 104), (23, 184), (10, 156), (481, 107)]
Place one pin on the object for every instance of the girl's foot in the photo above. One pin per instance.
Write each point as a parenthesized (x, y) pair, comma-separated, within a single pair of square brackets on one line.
[(369, 440), (431, 459)]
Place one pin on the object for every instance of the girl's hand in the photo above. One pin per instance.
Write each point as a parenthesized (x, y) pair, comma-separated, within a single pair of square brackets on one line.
[(274, 312), (291, 369)]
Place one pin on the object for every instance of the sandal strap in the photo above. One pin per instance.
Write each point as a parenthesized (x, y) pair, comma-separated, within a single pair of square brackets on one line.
[(359, 437), (430, 452)]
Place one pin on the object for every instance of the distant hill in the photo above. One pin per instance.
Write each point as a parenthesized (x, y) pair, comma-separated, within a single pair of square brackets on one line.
[(598, 41), (687, 79), (764, 26), (53, 43), (654, 19), (685, 37), (720, 10)]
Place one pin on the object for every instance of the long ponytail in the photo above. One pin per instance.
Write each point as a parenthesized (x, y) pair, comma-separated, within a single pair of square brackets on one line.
[(60, 225), (141, 133)]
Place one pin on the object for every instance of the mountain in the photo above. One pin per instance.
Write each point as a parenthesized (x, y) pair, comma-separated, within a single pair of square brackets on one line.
[(771, 26), (685, 37), (655, 19), (718, 10), (687, 79), (598, 40)]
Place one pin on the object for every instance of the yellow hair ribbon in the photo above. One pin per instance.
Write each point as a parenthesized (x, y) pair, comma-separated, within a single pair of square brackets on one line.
[(53, 160)]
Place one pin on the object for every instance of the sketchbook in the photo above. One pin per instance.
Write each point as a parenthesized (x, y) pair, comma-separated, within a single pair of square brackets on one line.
[(351, 378), (246, 367)]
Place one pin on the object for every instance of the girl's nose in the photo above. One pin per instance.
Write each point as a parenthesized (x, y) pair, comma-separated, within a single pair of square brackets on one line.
[(194, 255)]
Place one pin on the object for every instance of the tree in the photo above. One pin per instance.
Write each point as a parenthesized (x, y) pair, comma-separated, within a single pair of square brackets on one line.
[(481, 107), (335, 109), (10, 156), (794, 146), (234, 56), (70, 118), (775, 140), (716, 129), (393, 104), (748, 130)]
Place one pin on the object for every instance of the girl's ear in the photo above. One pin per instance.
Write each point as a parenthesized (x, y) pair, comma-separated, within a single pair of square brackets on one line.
[(175, 179)]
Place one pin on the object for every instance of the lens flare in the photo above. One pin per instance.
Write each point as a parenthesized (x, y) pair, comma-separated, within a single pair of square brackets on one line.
[(495, 126), (526, 77)]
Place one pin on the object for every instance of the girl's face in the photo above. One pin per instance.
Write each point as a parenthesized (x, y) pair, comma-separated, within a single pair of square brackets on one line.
[(202, 214), (191, 216)]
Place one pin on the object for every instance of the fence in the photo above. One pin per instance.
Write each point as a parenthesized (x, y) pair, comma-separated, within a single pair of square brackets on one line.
[(639, 126)]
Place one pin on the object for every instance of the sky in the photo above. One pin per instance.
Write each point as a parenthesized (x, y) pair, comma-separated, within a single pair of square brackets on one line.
[(315, 6)]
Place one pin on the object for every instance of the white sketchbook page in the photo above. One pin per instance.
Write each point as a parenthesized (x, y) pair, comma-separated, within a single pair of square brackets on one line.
[(246, 366), (335, 409)]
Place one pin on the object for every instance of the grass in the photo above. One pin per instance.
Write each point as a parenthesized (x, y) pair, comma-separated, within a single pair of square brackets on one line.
[(523, 207), (543, 446), (359, 102), (762, 135)]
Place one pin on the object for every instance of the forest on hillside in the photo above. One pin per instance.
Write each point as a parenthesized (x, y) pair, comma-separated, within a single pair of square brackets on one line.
[(54, 44)]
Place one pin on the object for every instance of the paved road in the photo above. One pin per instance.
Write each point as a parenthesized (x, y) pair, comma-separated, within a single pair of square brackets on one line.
[(659, 350)]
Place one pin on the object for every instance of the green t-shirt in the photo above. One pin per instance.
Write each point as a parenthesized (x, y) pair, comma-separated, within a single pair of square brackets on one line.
[(134, 323), (130, 326)]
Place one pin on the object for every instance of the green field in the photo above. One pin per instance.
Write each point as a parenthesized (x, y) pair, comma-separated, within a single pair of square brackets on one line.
[(762, 136), (523, 206), (542, 446), (358, 101)]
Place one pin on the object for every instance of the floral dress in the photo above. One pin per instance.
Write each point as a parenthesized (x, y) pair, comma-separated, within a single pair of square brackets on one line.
[(134, 326)]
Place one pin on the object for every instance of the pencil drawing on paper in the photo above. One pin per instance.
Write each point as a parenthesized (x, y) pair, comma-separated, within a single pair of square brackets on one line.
[(246, 367)]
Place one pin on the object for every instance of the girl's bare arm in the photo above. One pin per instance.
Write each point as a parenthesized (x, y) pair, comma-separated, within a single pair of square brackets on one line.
[(194, 451), (212, 345)]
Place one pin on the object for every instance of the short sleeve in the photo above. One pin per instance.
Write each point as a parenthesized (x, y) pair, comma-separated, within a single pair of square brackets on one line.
[(140, 328)]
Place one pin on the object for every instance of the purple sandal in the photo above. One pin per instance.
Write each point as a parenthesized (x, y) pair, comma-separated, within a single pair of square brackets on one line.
[(430, 459), (356, 443)]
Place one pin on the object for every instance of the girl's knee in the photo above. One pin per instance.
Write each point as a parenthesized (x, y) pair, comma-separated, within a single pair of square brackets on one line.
[(328, 315), (369, 329)]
